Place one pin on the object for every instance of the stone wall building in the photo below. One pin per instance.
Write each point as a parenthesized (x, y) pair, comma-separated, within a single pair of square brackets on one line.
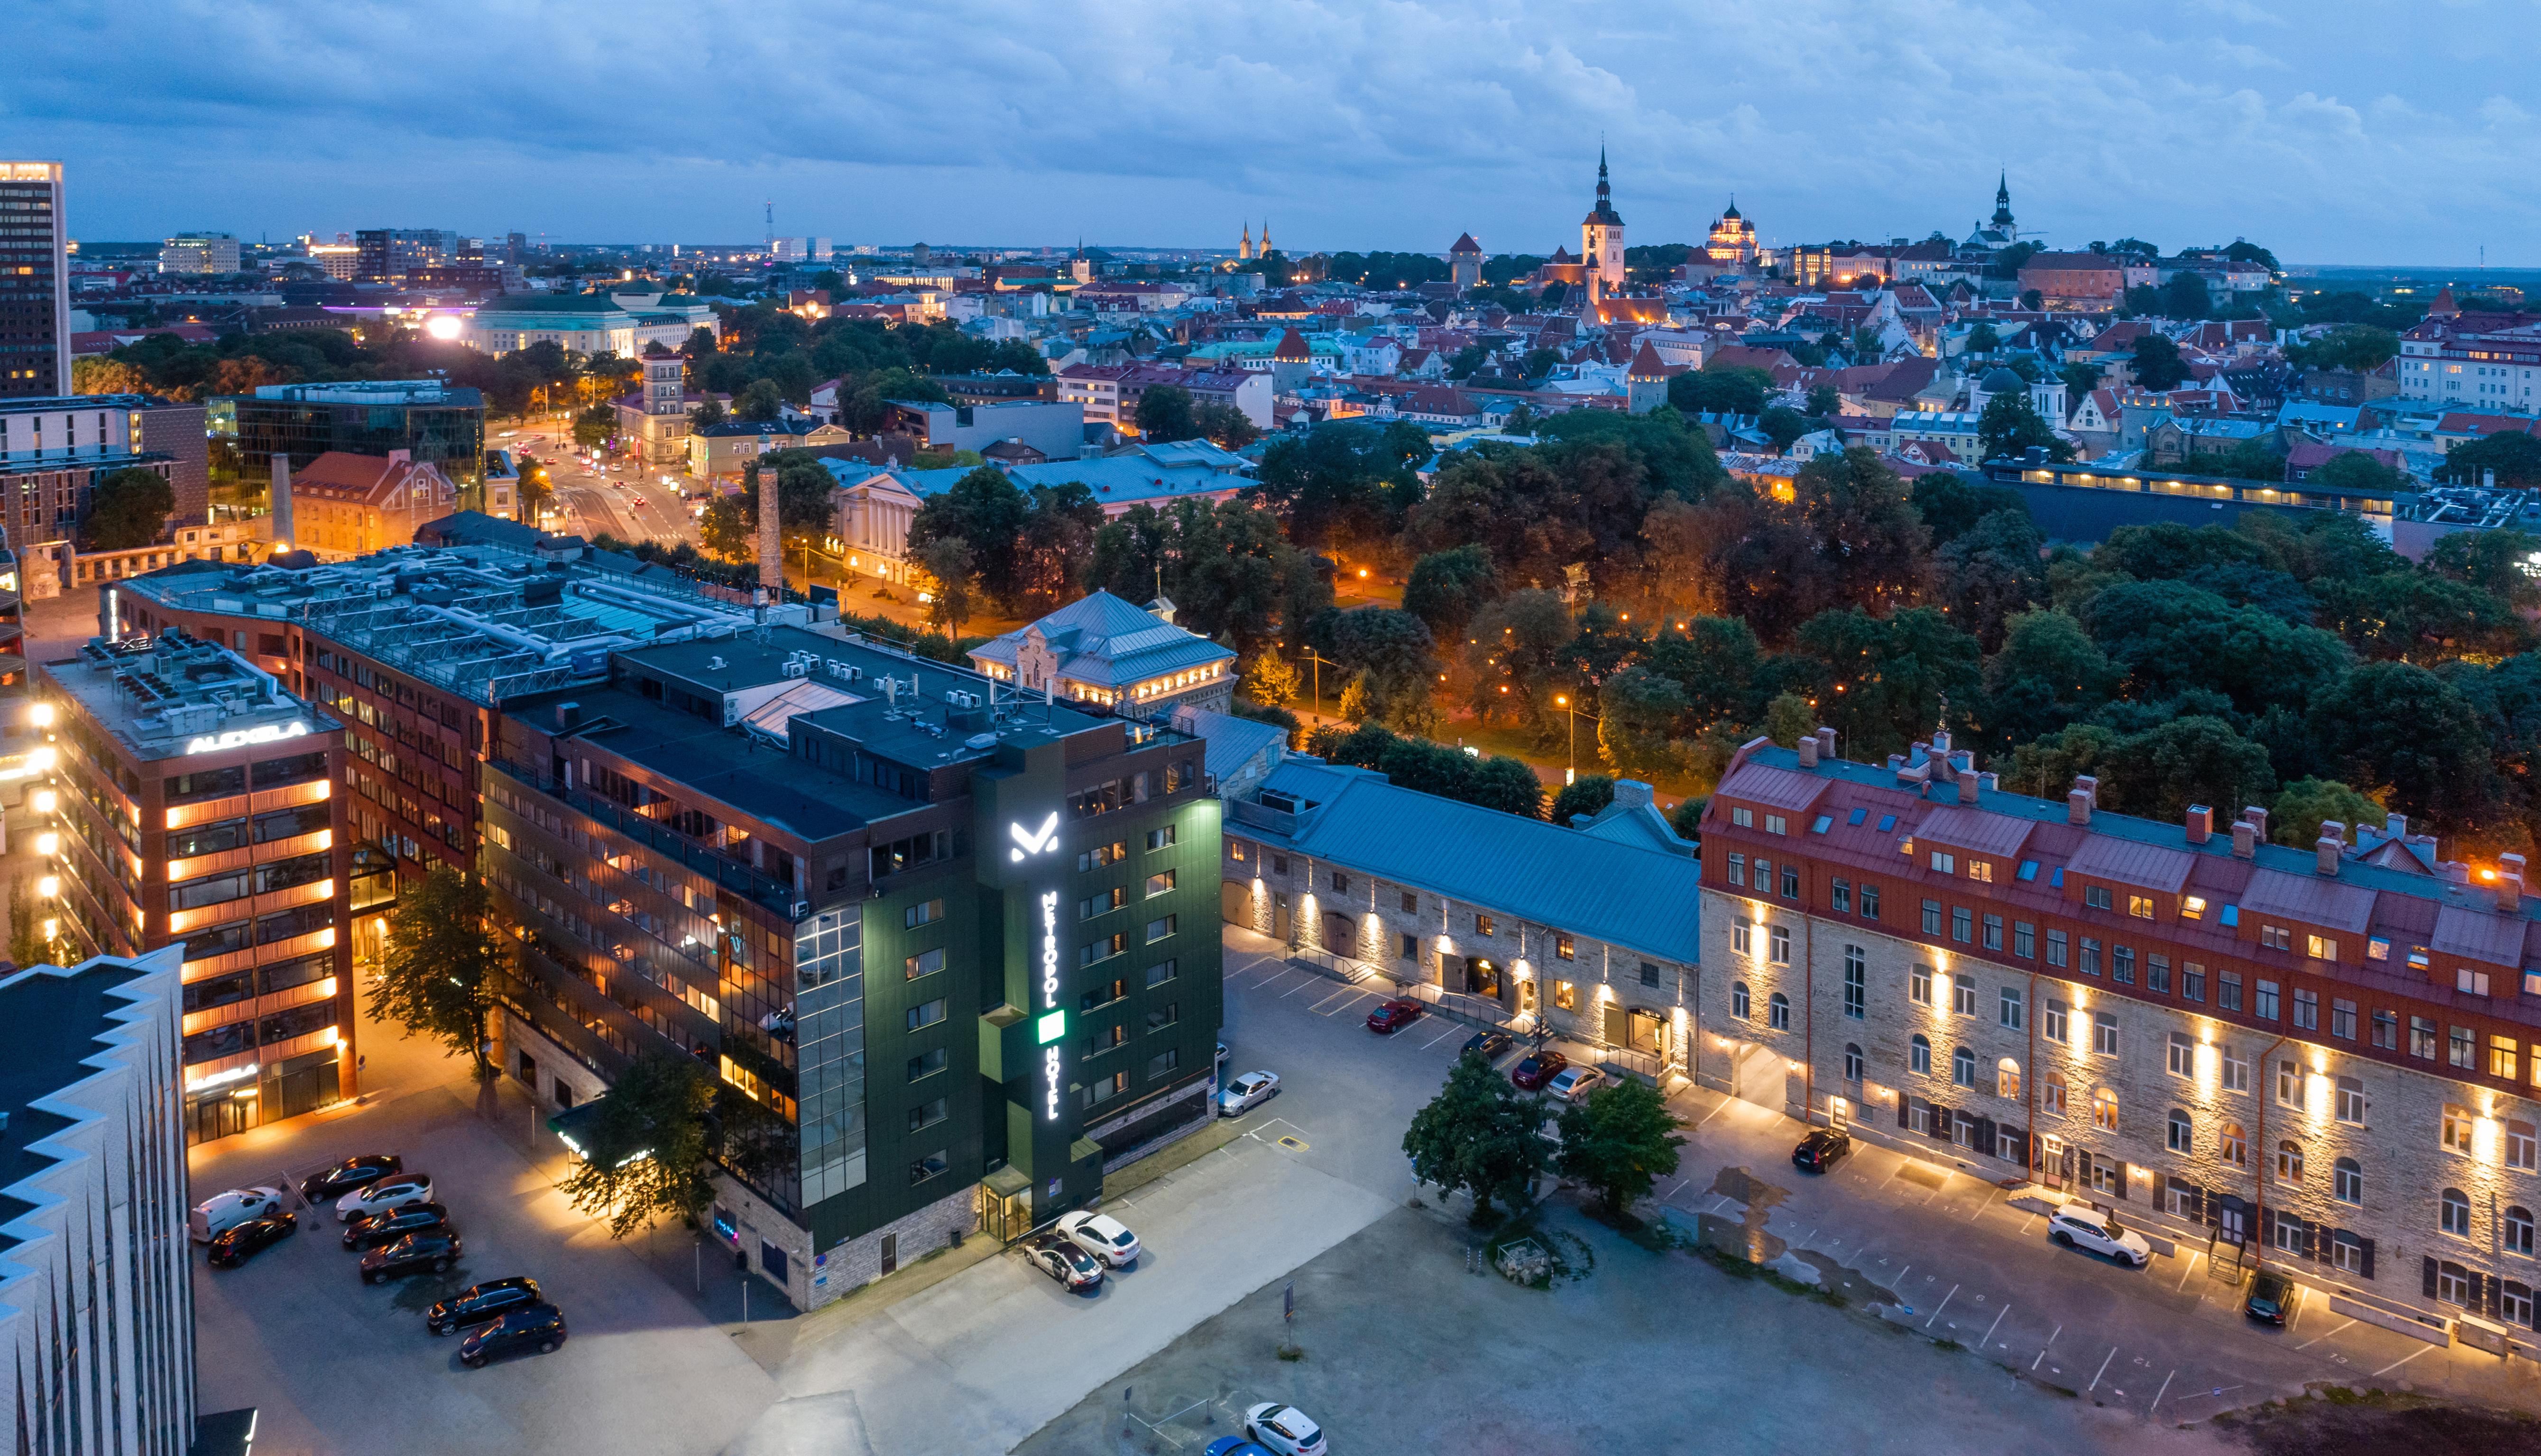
[(2324, 1059)]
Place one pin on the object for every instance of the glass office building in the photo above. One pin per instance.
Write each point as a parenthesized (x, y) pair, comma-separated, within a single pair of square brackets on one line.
[(433, 422)]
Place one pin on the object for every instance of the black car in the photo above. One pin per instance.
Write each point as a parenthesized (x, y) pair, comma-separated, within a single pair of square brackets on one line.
[(413, 1254), (539, 1327), (348, 1175), (1490, 1045), (389, 1225), (1821, 1150), (2271, 1297), (479, 1304), (236, 1243)]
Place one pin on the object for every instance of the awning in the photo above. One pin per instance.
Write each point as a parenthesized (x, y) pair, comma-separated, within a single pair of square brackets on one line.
[(573, 1124)]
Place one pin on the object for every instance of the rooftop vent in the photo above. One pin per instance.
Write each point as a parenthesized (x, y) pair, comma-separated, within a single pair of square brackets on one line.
[(980, 741)]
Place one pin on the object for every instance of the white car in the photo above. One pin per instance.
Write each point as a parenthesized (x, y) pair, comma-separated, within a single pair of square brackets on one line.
[(2079, 1226), (224, 1212), (393, 1192), (1246, 1092), (1102, 1236), (1284, 1429), (1574, 1083)]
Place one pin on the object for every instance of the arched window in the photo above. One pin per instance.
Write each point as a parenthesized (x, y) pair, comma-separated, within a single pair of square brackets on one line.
[(2289, 1162), (2453, 1213), (1963, 1067), (2519, 1230), (1779, 1010), (1738, 1003), (2236, 1145), (2347, 1181), (2183, 1134), (2104, 1110), (1919, 1055), (1851, 1063), (2007, 1078), (2051, 1093)]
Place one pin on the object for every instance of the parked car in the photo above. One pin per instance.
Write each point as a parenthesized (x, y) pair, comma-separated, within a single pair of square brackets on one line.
[(1235, 1446), (1490, 1045), (479, 1304), (1393, 1016), (389, 1225), (1574, 1083), (1285, 1429), (348, 1175), (1061, 1258), (386, 1193), (2078, 1226), (1102, 1236), (539, 1327), (414, 1254), (223, 1211), (2271, 1297), (240, 1242), (1537, 1068), (1241, 1095), (1821, 1150)]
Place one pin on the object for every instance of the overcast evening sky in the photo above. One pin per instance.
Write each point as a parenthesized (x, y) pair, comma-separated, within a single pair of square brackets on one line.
[(2334, 131)]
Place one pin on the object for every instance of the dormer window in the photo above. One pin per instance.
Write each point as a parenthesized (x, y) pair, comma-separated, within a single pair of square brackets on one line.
[(1944, 863), (2096, 896), (2192, 907)]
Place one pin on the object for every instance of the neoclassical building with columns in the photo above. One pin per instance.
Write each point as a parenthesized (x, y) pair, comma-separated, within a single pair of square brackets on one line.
[(2325, 1059)]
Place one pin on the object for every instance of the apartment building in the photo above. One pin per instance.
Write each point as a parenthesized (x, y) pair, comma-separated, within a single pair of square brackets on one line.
[(2321, 1058), (197, 807), (199, 253), (34, 282)]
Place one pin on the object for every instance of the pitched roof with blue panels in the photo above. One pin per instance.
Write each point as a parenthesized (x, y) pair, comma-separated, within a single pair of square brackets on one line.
[(1642, 898), (1107, 641)]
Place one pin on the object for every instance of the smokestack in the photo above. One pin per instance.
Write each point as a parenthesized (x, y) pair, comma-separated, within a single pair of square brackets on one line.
[(771, 554), (281, 500), (2510, 884), (2201, 824), (2245, 841)]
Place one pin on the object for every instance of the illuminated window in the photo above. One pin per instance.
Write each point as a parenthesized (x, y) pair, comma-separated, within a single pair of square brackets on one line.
[(2104, 1110), (2289, 1162), (2456, 1129), (2007, 1078), (2502, 1060), (2139, 907), (2234, 1147), (2192, 907)]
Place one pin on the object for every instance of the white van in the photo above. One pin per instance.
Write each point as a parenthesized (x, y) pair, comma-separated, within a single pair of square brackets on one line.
[(224, 1212)]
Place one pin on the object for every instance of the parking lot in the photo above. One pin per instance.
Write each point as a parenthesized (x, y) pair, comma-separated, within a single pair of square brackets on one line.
[(335, 1366)]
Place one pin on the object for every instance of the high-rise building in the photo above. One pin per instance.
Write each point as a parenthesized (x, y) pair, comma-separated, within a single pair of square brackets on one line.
[(199, 253), (34, 282), (96, 1304), (434, 423), (197, 809), (387, 255)]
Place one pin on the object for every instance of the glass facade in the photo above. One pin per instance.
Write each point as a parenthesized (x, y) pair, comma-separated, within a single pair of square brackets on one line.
[(829, 1042), (445, 427)]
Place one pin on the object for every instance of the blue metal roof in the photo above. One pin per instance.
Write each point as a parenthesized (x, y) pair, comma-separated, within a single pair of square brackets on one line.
[(1643, 899)]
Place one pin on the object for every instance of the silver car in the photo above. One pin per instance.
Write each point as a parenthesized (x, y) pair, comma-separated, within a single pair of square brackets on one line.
[(1241, 1094)]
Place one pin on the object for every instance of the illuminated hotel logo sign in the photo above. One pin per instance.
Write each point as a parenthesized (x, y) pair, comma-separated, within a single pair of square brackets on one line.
[(212, 742), (1053, 1021), (1035, 843)]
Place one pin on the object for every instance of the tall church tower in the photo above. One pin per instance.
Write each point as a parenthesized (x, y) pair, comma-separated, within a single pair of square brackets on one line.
[(1243, 249), (2002, 203), (1601, 236)]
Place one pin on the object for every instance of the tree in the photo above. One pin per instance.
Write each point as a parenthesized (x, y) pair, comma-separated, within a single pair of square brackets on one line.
[(1788, 718), (1721, 389), (2358, 472), (2186, 296), (725, 529), (643, 1153), (705, 416), (2494, 561), (2048, 674), (1446, 588), (2032, 299), (1390, 648), (986, 511), (440, 963), (1619, 1144), (1587, 795), (2079, 380), (1477, 1136), (1889, 676), (1989, 572), (2411, 740), (2158, 365), (534, 489), (1228, 568), (1981, 340), (761, 401), (1639, 715), (1358, 698), (2359, 347), (1273, 679), (1952, 501), (127, 509), (1165, 413), (1824, 401), (1224, 425), (947, 563), (2512, 457), (2011, 425), (2308, 803), (2423, 617), (1782, 424), (592, 427)]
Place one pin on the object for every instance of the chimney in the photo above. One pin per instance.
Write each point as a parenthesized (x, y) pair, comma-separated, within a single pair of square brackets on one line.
[(2245, 841), (2201, 824), (2089, 785), (281, 522), (1632, 793), (2077, 806), (1987, 780), (2510, 884), (1809, 753), (2257, 819), (568, 717), (2327, 849), (1825, 744)]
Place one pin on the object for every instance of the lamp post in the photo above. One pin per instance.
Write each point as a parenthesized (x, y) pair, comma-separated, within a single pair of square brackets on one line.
[(1315, 665)]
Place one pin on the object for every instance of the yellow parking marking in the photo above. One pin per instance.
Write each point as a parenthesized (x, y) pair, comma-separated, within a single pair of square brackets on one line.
[(1293, 1144)]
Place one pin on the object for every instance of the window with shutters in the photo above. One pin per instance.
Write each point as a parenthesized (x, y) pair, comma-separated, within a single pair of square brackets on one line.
[(2290, 1233), (1851, 1061), (2106, 1178), (2347, 1252), (1919, 985), (1919, 1055), (1738, 1003), (2452, 1213), (2051, 1094), (2347, 1181), (2519, 1230), (2514, 1303), (2234, 1145), (2006, 1146), (1963, 1067), (1857, 982), (2183, 1134), (2289, 1162), (2453, 1283)]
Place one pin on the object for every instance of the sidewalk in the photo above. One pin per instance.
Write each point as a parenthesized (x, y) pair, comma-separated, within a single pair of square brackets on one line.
[(1960, 1262)]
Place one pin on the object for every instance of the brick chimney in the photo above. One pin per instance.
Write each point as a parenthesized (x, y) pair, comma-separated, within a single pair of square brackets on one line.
[(2201, 824), (2079, 800), (2327, 849), (1971, 787), (2510, 884), (2245, 841), (2257, 819), (1809, 752)]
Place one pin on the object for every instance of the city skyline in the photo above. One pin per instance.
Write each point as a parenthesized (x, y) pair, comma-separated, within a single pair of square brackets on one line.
[(2195, 124)]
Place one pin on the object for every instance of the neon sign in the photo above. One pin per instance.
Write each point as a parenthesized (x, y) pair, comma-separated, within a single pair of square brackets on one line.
[(1053, 1021), (1042, 843), (211, 743)]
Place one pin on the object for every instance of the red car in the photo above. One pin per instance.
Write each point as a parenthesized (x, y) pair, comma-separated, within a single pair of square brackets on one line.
[(1536, 1070), (1393, 1016)]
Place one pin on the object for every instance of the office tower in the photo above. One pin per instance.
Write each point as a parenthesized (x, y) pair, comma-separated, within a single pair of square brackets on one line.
[(34, 282)]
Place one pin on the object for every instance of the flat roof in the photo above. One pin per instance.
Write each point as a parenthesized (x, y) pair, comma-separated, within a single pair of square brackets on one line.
[(173, 695)]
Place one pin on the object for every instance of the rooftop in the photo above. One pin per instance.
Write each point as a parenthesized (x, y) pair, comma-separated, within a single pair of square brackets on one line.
[(59, 1019), (173, 695), (375, 392)]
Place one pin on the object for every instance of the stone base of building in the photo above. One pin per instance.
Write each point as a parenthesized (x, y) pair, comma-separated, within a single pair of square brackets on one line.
[(848, 1266), (554, 1078)]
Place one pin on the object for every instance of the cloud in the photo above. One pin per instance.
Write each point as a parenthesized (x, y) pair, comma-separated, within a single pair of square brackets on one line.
[(1351, 122)]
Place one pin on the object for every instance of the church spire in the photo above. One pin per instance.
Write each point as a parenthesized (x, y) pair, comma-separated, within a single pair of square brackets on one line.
[(1605, 191), (2002, 201)]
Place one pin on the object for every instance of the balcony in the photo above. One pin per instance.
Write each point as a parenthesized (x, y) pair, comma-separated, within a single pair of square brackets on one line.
[(776, 896)]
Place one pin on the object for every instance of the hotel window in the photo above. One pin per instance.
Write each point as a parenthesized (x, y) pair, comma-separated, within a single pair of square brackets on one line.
[(2096, 896), (1963, 994), (2453, 1217), (2227, 991), (2320, 947), (2237, 1074), (1159, 884), (1781, 940), (1561, 948), (2192, 907), (2157, 972), (1738, 869), (2139, 907), (2024, 939), (2342, 1018), (2307, 1011), (1993, 932), (924, 963), (2182, 1134), (1932, 917), (1742, 936), (1981, 871), (2104, 1034), (2090, 962), (1778, 1011), (2377, 948), (2051, 1095), (2519, 1144), (1919, 1055), (2183, 1056), (1856, 982), (1158, 839), (2234, 1145), (1919, 985), (2462, 1049), (1739, 1007), (1869, 901), (2422, 1039), (2456, 1129), (2350, 1103), (1962, 924), (1774, 823), (2502, 1058), (2292, 1084), (2347, 1182), (1946, 863), (1483, 925), (2007, 1011), (2470, 983), (2054, 1028), (2056, 948), (2122, 964), (2104, 1112), (1963, 1067), (1566, 996), (1840, 895)]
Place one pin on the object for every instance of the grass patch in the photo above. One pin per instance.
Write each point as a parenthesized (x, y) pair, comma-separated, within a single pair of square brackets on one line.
[(2380, 1423), (1292, 1354)]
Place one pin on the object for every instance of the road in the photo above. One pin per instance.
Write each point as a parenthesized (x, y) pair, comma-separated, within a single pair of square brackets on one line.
[(619, 498)]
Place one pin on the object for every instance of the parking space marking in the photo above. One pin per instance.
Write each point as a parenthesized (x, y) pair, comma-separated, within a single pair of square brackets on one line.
[(1944, 1304), (1997, 1325), (2402, 1361), (2302, 1301), (2158, 1395), (1452, 1029), (2192, 1267), (1303, 985), (2044, 1348), (2104, 1370), (1334, 996), (1349, 1005), (2317, 1338)]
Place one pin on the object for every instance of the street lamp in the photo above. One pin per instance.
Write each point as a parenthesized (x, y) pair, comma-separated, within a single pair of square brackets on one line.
[(1570, 771)]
